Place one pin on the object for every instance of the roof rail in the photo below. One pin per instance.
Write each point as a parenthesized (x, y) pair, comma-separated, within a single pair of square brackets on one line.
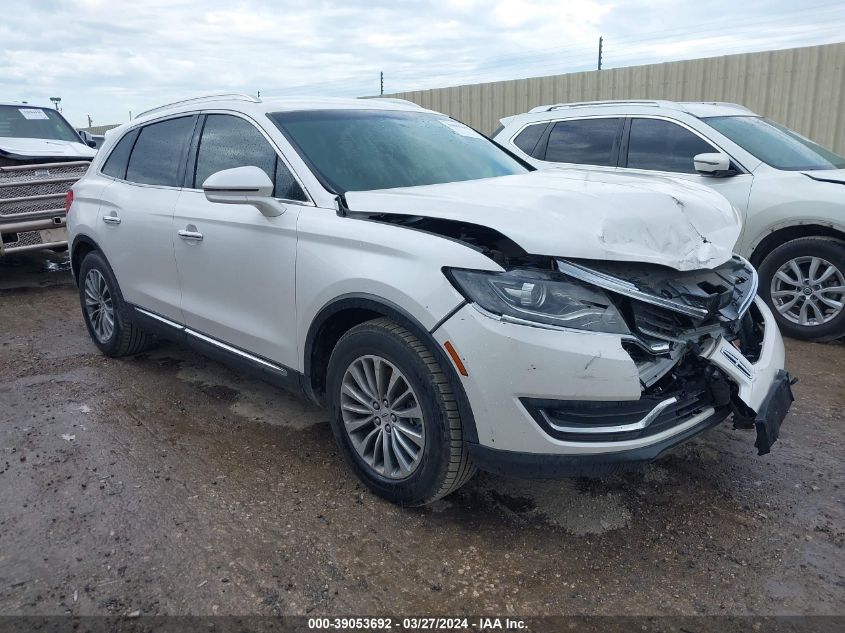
[(560, 106), (397, 101), (220, 96), (738, 106)]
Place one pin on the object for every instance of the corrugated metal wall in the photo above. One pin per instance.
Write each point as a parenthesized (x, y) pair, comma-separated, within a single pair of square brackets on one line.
[(803, 88)]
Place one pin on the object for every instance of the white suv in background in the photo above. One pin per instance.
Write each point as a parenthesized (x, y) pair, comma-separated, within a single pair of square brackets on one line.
[(790, 190), (451, 306)]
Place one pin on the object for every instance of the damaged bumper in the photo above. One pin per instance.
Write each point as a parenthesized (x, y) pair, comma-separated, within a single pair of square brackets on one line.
[(554, 402)]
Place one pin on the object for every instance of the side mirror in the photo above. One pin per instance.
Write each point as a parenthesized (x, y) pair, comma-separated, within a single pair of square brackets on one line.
[(714, 164), (87, 138), (243, 185)]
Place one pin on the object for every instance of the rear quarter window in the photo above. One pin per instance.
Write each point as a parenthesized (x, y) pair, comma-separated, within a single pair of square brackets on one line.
[(528, 138), (115, 165)]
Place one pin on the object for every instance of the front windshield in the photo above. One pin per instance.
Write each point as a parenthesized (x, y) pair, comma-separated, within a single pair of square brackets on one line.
[(775, 144), (25, 121), (362, 150)]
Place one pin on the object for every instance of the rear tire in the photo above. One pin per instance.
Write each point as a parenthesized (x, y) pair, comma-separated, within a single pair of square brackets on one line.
[(796, 265), (106, 315), (419, 457)]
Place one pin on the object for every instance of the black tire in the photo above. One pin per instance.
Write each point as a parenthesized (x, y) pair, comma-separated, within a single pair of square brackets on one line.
[(445, 464), (126, 337), (831, 250)]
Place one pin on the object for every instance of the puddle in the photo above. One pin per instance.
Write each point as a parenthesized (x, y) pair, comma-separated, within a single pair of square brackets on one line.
[(559, 503), (251, 398)]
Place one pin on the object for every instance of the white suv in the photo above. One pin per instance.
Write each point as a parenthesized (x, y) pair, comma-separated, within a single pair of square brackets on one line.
[(451, 306), (790, 190)]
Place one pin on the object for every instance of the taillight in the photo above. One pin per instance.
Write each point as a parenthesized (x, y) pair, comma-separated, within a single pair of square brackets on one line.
[(68, 200)]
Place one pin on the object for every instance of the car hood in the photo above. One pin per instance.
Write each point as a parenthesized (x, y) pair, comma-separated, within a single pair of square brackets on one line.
[(581, 214), (827, 175), (44, 148)]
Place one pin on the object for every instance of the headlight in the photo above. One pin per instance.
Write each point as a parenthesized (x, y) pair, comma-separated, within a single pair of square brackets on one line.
[(544, 297)]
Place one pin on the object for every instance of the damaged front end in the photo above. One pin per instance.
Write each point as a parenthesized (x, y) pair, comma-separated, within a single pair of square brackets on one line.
[(697, 339), (703, 345)]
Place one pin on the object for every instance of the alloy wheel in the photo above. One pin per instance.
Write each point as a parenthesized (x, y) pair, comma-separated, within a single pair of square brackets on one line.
[(382, 417), (808, 291), (99, 306)]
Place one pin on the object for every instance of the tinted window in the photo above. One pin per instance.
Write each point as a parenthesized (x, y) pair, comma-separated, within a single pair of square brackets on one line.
[(775, 144), (664, 146), (228, 142), (527, 139), (361, 150), (585, 142), (159, 152), (115, 165)]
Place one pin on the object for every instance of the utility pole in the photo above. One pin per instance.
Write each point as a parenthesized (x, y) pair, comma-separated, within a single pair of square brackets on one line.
[(381, 81), (90, 121), (601, 42)]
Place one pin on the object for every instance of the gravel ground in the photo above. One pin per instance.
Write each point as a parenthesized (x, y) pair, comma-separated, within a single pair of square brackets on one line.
[(167, 484)]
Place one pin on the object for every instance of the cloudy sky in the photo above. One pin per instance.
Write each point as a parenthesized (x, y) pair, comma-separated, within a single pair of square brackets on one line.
[(105, 58)]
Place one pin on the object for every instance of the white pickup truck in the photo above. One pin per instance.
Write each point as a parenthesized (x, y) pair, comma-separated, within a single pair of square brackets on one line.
[(41, 156)]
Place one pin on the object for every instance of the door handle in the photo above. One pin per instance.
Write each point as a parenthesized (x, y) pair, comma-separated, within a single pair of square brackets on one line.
[(111, 219), (190, 234)]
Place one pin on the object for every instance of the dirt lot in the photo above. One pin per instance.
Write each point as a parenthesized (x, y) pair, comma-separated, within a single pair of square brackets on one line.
[(167, 484)]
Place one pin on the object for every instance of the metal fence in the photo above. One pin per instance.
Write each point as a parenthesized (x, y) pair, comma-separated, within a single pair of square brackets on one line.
[(803, 88)]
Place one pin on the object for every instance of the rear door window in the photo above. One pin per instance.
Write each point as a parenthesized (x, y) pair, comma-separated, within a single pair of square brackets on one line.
[(584, 142), (228, 142), (660, 145), (159, 153)]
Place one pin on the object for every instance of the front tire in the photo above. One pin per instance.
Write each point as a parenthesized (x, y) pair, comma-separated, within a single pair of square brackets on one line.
[(106, 315), (395, 416), (803, 282)]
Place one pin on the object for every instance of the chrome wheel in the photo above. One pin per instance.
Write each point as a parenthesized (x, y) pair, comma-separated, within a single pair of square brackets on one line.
[(99, 307), (382, 417), (808, 291)]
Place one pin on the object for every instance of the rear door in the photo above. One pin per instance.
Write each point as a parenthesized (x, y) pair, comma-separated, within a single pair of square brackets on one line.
[(589, 142), (238, 267), (136, 214)]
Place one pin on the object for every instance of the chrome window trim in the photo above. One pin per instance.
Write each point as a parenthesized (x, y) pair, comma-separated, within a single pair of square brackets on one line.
[(516, 149), (663, 117), (280, 155), (689, 128), (132, 129)]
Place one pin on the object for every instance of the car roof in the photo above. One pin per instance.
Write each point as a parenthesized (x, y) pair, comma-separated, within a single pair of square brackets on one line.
[(21, 104), (249, 104)]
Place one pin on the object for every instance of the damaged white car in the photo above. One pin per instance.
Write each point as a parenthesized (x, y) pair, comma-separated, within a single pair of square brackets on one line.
[(452, 307)]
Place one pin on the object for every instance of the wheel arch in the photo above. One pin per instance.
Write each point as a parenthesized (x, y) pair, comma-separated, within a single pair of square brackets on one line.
[(82, 245), (345, 312), (785, 234)]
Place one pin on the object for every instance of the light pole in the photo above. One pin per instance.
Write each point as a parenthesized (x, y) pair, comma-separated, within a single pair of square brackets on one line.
[(56, 101)]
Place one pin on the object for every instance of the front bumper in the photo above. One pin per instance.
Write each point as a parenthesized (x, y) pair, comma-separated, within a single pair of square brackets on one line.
[(510, 364), (18, 237)]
